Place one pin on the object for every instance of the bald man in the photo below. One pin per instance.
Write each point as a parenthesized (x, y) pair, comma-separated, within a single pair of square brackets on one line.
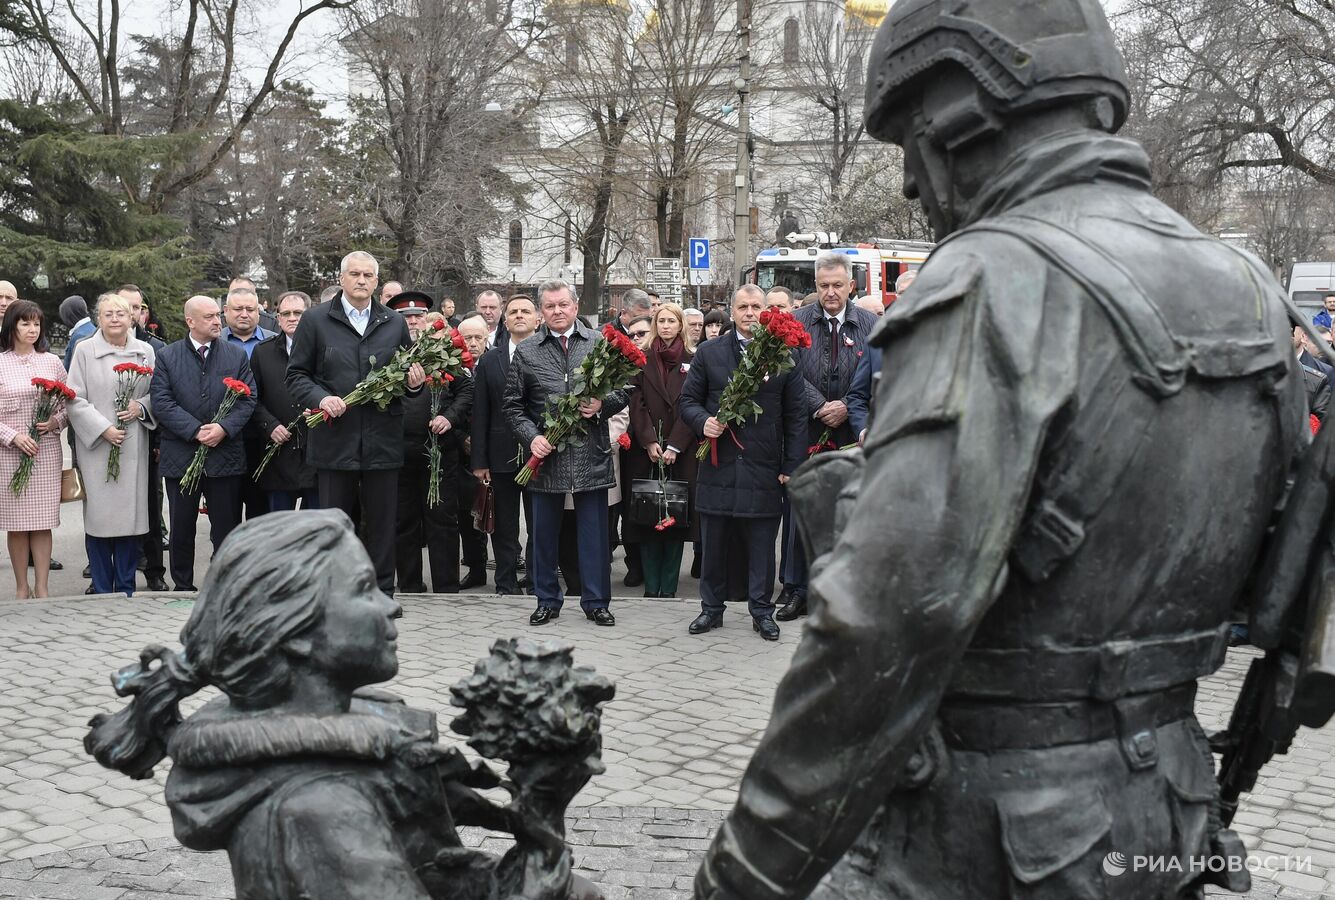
[(8, 294), (187, 390)]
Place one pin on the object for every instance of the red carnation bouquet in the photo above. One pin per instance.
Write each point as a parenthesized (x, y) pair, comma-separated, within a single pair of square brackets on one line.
[(610, 364), (50, 393), (128, 378), (195, 471), (435, 349), (769, 353)]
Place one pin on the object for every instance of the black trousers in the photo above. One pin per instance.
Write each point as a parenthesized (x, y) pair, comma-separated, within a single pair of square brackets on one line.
[(436, 527), (754, 540), (254, 499), (370, 498), (223, 496), (505, 539), (151, 543)]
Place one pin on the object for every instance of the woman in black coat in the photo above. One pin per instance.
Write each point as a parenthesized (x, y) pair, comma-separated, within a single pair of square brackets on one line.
[(660, 436)]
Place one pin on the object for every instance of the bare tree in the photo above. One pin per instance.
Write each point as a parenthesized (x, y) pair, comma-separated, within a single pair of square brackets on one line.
[(87, 42), (831, 72), (428, 150), (1286, 216), (689, 66), (1236, 84)]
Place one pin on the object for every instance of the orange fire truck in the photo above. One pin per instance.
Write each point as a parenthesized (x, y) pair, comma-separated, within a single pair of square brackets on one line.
[(876, 263)]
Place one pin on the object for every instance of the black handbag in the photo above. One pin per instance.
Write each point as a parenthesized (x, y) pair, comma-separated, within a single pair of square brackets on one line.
[(652, 501)]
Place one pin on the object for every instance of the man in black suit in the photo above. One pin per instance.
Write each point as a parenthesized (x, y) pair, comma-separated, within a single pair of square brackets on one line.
[(187, 390), (488, 303), (287, 478), (357, 454), (496, 451), (839, 330), (741, 497)]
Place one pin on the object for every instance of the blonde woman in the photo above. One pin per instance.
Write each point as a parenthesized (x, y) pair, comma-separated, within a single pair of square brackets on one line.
[(660, 436), (115, 511)]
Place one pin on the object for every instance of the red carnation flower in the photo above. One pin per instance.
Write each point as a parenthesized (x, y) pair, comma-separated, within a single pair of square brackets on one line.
[(239, 387), (624, 441), (126, 367)]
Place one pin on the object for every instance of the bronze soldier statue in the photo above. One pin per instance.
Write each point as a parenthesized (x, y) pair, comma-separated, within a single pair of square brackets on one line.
[(1087, 420)]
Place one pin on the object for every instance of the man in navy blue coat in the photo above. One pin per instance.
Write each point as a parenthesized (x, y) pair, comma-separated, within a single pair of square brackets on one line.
[(740, 500), (187, 390)]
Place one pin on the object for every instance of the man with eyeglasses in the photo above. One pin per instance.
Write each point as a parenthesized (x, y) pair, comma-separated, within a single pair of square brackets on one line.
[(287, 478), (357, 454), (543, 368)]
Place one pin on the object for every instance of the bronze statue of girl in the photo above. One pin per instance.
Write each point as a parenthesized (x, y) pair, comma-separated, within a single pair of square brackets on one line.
[(314, 785)]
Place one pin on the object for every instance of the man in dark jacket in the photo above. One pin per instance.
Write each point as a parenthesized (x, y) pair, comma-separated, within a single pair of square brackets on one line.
[(357, 454), (287, 478), (839, 332), (1316, 375), (541, 369), (419, 523), (741, 496), (496, 451), (187, 390)]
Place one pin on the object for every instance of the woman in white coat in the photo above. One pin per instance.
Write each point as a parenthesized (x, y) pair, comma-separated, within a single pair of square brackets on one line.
[(115, 511)]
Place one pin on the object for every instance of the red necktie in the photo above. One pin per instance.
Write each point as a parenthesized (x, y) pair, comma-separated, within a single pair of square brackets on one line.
[(565, 345)]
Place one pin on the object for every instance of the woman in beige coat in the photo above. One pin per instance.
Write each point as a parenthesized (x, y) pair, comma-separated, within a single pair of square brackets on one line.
[(115, 511)]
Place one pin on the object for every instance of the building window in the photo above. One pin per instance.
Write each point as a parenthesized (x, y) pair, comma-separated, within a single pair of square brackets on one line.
[(569, 240), (516, 243), (856, 70), (492, 11), (707, 14), (790, 42), (572, 51)]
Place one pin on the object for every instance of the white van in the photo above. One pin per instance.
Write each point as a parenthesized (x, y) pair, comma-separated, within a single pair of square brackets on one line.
[(1309, 282)]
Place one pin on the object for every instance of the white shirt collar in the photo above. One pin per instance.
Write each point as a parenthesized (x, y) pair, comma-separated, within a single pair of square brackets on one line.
[(568, 333), (843, 314), (288, 339), (197, 344), (358, 318)]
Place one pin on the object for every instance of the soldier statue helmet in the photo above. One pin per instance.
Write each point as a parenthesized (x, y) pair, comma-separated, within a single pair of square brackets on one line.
[(1067, 482)]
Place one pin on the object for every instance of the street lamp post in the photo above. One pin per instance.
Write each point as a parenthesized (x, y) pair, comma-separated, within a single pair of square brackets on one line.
[(741, 223)]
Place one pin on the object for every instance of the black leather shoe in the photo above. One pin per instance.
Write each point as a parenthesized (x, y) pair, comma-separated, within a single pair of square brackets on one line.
[(768, 630), (418, 588), (188, 587), (88, 590), (794, 608), (87, 571), (705, 622), (544, 614), (157, 583), (474, 579), (600, 617), (56, 565), (634, 578)]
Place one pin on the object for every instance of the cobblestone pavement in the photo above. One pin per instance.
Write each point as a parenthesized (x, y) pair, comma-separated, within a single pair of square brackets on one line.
[(688, 713)]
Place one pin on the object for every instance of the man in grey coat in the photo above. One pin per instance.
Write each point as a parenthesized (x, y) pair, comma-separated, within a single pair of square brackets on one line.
[(541, 369)]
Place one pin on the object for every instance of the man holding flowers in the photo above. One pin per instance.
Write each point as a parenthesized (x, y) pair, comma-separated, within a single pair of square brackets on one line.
[(747, 458), (358, 452), (568, 444), (188, 389)]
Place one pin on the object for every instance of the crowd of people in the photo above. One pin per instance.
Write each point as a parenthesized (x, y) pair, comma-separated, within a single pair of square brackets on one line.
[(215, 422)]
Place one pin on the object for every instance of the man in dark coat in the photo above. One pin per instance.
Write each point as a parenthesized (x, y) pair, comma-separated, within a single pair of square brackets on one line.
[(839, 332), (419, 523), (187, 389), (541, 369), (287, 478), (742, 496), (496, 452), (357, 454)]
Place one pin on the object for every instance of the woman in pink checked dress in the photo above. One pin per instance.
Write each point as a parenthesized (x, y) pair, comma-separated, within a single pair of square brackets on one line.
[(29, 517)]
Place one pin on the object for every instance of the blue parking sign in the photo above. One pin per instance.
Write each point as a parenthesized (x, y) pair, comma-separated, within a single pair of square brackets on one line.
[(697, 252)]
